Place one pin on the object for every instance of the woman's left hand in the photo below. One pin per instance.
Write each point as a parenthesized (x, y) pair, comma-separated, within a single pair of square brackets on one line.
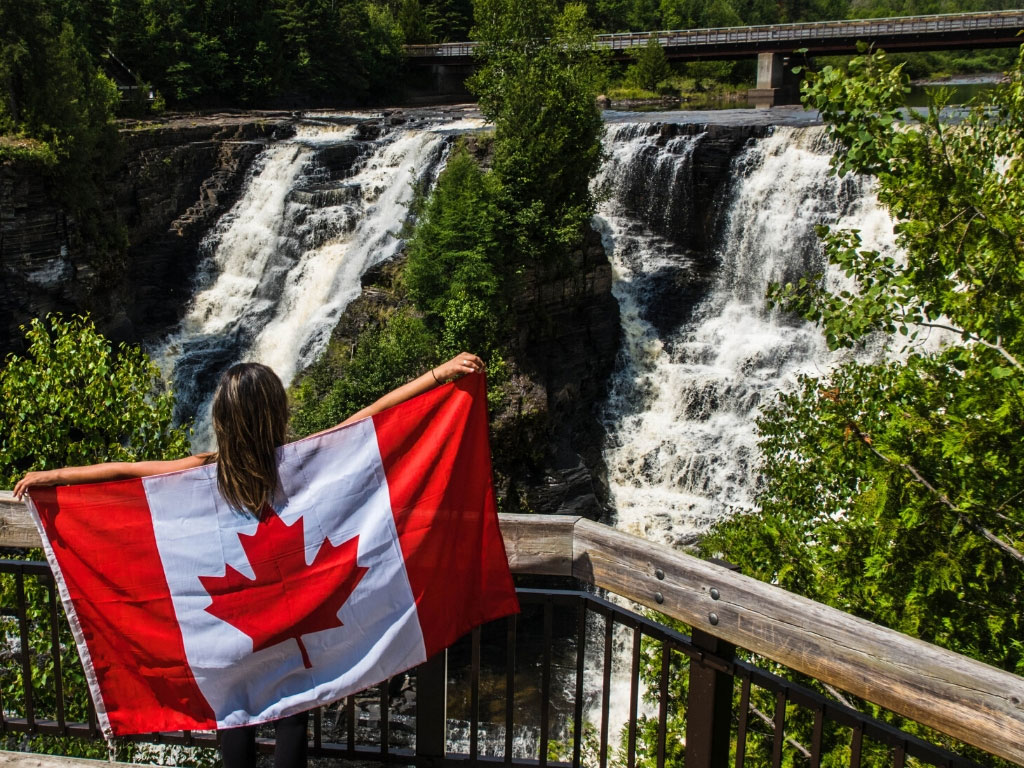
[(460, 365), (31, 479)]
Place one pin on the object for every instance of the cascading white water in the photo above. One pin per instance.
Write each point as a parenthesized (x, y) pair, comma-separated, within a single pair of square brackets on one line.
[(681, 450), (284, 263)]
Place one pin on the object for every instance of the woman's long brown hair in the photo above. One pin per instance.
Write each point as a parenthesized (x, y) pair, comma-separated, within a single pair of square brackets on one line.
[(250, 420)]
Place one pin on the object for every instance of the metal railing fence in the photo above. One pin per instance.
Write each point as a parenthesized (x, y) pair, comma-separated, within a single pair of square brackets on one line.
[(574, 680)]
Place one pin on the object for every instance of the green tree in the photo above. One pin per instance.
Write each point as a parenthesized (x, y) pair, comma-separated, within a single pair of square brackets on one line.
[(51, 90), (387, 354), (537, 81), (610, 15), (688, 14), (892, 489), (644, 14), (246, 51), (93, 21), (649, 66), (57, 110), (337, 49), (449, 20), (454, 270), (72, 400)]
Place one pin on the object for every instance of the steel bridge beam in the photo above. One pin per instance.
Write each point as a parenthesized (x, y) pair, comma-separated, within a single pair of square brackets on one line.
[(906, 33)]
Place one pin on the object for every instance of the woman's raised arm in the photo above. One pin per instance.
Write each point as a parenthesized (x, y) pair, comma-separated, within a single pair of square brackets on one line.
[(97, 473), (460, 365)]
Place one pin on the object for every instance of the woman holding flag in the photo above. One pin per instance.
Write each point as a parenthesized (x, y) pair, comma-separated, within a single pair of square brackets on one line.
[(250, 417)]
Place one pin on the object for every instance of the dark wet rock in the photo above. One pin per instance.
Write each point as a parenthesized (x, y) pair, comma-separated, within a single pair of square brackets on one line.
[(172, 181), (337, 159)]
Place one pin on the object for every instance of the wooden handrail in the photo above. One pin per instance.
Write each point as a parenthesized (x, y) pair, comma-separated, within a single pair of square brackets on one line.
[(10, 759), (16, 526), (971, 701)]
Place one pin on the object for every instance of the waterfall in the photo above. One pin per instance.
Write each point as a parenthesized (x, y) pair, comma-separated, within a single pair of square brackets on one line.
[(278, 270), (701, 353)]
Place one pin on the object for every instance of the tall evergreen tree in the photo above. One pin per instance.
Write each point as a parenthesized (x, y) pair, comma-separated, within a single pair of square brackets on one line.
[(537, 82)]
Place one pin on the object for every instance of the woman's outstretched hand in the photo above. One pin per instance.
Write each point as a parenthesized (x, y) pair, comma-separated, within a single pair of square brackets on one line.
[(32, 479), (460, 365), (103, 472)]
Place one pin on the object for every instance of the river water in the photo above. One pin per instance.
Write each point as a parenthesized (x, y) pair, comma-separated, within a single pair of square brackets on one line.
[(282, 265), (680, 416)]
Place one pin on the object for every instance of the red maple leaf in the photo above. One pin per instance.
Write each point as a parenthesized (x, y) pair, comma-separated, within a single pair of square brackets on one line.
[(287, 598)]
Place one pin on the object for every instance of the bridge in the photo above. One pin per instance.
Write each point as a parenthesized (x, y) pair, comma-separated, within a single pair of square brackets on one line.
[(772, 43)]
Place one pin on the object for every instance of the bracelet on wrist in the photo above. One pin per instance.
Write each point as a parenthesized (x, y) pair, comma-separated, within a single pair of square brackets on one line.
[(436, 380)]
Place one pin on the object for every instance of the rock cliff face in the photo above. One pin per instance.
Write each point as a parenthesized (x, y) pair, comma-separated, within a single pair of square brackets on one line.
[(36, 264), (547, 445), (171, 184)]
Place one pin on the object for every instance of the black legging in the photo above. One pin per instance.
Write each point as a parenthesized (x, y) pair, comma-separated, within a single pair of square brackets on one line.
[(238, 745)]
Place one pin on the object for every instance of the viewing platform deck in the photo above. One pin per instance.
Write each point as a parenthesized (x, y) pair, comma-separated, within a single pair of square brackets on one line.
[(748, 646)]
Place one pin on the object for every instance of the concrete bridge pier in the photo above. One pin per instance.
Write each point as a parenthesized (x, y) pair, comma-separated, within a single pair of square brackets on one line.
[(435, 83), (449, 80), (776, 83)]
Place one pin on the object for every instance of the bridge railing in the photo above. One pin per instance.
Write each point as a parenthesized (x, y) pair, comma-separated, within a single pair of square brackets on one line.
[(525, 690), (866, 29)]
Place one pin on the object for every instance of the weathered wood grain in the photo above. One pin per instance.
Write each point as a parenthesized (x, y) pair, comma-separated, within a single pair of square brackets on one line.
[(974, 702), (540, 544), (31, 760), (16, 526)]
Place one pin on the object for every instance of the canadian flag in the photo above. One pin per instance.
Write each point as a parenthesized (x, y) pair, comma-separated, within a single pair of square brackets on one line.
[(384, 550)]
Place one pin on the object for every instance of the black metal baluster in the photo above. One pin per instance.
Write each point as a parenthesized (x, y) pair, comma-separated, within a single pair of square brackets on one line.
[(384, 706), (432, 708), (666, 652), (58, 673), (3, 710), (350, 715), (545, 685), (856, 742), (510, 686), (318, 729), (819, 728), (780, 728), (634, 697), (577, 713), (26, 666), (94, 726), (900, 756), (474, 697), (744, 719), (606, 687)]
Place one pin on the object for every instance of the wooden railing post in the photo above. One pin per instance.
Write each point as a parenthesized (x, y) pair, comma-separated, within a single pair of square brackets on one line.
[(709, 706), (431, 708), (709, 702)]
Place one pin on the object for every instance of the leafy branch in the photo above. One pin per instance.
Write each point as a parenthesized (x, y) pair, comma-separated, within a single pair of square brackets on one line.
[(936, 493)]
